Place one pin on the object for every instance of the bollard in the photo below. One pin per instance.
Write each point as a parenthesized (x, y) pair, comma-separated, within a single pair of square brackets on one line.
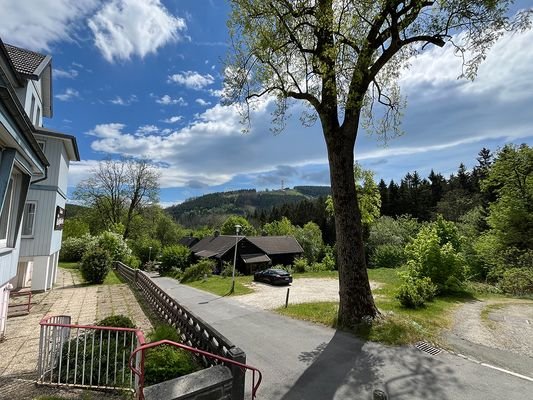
[(287, 298), (379, 395)]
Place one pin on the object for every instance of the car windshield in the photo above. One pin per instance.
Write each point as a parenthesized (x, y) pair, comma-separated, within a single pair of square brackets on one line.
[(279, 272)]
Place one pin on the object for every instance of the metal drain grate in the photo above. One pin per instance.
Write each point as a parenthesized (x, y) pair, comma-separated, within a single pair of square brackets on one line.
[(425, 346)]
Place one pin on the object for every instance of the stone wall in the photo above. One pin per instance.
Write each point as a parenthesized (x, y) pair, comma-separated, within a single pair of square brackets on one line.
[(213, 383)]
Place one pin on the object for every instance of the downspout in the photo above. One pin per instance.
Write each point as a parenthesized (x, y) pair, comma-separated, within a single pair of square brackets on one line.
[(43, 178)]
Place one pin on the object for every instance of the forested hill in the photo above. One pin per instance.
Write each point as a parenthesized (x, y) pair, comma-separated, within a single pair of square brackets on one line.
[(203, 209)]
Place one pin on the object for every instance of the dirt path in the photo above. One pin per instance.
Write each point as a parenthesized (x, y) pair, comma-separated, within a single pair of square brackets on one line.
[(497, 332), (302, 290)]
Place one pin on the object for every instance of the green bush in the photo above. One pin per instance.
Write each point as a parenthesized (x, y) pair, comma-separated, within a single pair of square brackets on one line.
[(133, 262), (387, 256), (198, 270), (431, 256), (300, 265), (175, 256), (73, 248), (141, 248), (517, 281), (95, 265), (167, 362), (414, 293), (117, 321), (115, 245), (227, 270), (317, 267)]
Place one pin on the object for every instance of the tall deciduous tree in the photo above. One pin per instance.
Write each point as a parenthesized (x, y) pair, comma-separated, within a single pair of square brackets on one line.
[(118, 189), (343, 57)]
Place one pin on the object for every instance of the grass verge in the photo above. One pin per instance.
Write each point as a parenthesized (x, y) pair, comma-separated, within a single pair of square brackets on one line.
[(111, 279), (221, 286), (398, 325)]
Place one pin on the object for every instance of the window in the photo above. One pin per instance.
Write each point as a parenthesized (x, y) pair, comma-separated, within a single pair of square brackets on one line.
[(28, 221), (38, 116), (32, 108), (6, 214)]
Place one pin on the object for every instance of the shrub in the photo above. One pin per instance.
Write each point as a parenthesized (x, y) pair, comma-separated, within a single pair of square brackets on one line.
[(329, 259), (73, 249), (95, 265), (198, 270), (413, 293), (141, 248), (300, 265), (387, 256), (115, 245), (517, 281), (317, 267), (167, 362), (133, 262), (429, 255), (117, 321), (227, 270), (175, 256)]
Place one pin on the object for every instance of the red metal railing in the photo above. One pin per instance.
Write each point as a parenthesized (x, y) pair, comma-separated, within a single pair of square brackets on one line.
[(19, 307), (88, 356), (224, 360)]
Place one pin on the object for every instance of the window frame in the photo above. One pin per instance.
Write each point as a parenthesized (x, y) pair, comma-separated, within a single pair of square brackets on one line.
[(9, 201), (24, 214)]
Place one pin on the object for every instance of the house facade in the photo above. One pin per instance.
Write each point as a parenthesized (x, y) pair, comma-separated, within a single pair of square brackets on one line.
[(44, 213), (25, 98)]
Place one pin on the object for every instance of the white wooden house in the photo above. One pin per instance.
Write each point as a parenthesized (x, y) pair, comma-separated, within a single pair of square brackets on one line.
[(44, 212), (25, 98)]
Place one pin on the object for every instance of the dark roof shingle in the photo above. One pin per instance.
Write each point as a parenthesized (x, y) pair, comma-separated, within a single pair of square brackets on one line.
[(212, 245), (26, 62), (276, 244)]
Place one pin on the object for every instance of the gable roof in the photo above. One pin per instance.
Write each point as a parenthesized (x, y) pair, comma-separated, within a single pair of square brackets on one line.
[(26, 62), (214, 245), (276, 244), (188, 241)]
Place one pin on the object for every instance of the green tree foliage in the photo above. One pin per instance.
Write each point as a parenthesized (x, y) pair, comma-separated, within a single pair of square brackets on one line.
[(511, 179), (115, 245), (368, 195), (228, 227), (414, 293), (342, 59), (75, 228), (310, 238), (146, 249), (283, 227), (73, 248), (435, 253), (202, 268), (174, 257)]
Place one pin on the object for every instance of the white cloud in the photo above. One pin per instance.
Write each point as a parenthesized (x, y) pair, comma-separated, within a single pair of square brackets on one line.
[(124, 102), (107, 131), (125, 28), (192, 79), (61, 73), (202, 102), (166, 100), (173, 120), (146, 130), (37, 25), (68, 95)]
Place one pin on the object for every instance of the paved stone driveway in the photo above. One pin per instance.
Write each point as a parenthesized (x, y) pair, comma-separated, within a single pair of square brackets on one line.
[(86, 305)]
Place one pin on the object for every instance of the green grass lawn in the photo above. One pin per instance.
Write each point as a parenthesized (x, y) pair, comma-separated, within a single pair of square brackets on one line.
[(398, 325), (221, 286), (68, 265)]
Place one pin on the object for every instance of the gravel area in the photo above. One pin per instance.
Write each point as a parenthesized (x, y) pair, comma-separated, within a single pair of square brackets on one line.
[(302, 290), (509, 326)]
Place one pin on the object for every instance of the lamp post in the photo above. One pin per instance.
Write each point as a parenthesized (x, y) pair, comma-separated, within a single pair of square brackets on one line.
[(149, 253), (237, 229)]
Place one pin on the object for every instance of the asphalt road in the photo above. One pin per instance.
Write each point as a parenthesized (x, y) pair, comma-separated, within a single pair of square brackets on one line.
[(305, 361)]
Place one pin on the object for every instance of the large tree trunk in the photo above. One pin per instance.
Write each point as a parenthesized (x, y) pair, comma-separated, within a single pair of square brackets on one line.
[(356, 299)]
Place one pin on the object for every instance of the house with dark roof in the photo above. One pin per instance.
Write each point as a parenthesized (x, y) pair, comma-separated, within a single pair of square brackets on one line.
[(253, 252), (188, 241), (25, 98)]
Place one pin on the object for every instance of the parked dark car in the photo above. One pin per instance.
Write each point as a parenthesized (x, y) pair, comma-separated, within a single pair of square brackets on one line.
[(273, 276)]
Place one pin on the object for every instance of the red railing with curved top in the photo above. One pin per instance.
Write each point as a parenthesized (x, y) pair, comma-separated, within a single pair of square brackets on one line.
[(88, 356), (224, 360)]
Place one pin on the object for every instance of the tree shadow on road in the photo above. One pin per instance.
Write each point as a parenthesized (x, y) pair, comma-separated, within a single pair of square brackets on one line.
[(349, 368)]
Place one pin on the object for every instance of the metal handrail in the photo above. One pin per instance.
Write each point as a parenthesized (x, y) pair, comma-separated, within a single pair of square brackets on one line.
[(146, 346)]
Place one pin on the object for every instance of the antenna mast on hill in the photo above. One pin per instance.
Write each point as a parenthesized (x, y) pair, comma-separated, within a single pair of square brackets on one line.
[(282, 184)]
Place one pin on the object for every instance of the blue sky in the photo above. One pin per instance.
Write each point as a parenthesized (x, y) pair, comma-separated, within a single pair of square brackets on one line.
[(143, 78)]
